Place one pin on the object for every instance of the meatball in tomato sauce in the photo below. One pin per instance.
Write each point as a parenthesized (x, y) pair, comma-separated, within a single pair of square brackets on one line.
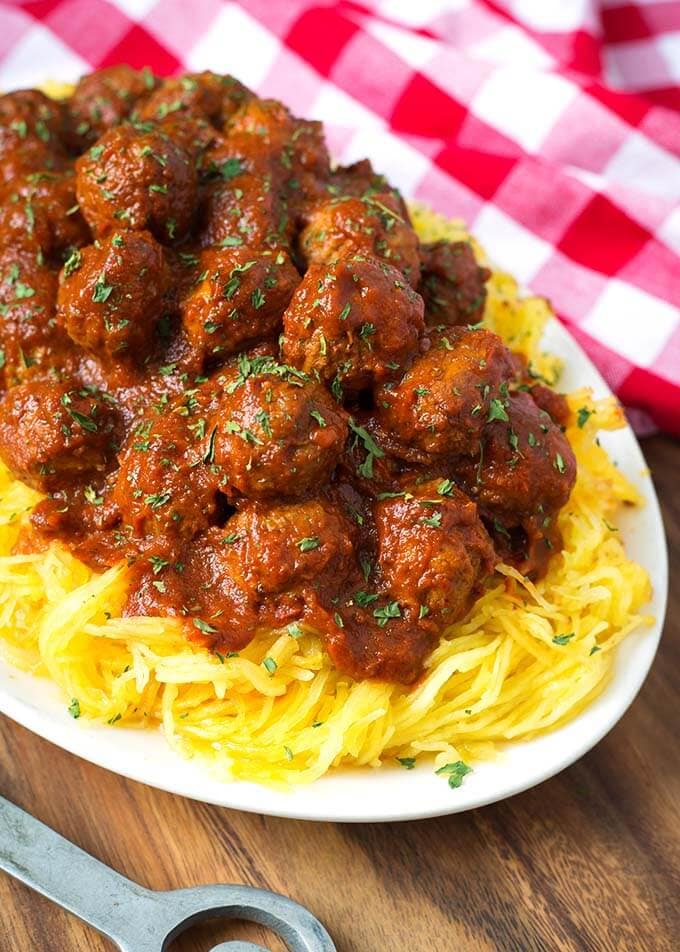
[(274, 432), (355, 323), (237, 297), (52, 432), (104, 99), (112, 295), (441, 404), (373, 226), (521, 477), (134, 179)]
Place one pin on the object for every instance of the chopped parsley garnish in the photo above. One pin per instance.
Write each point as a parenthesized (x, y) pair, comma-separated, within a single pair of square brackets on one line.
[(203, 626), (583, 414), (294, 630), (407, 762), (231, 168), (102, 290), (156, 500), (386, 612), (446, 487), (91, 495), (72, 263), (309, 543), (74, 708), (434, 521), (497, 411), (559, 463), (86, 422), (456, 772), (158, 563), (563, 639), (373, 451), (364, 599), (257, 298), (270, 665)]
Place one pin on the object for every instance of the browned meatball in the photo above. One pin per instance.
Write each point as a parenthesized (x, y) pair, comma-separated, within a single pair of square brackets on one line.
[(297, 143), (112, 294), (199, 94), (28, 332), (294, 150), (273, 432), (452, 283), (133, 179), (51, 432), (440, 406), (243, 208), (264, 567), (522, 478), (164, 488), (40, 211), (433, 550), (104, 99), (356, 322), (30, 130), (238, 297), (370, 226)]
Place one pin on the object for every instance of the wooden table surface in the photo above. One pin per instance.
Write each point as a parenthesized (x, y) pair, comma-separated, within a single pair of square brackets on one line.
[(587, 861)]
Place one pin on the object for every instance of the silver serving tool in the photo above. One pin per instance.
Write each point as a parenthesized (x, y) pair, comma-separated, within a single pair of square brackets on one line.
[(134, 918)]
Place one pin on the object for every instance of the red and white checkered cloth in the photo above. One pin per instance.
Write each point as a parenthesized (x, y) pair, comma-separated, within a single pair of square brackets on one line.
[(551, 126)]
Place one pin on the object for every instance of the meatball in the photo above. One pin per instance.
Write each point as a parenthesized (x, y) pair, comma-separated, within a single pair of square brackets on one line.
[(274, 433), (205, 95), (39, 212), (112, 294), (164, 489), (51, 432), (134, 179), (30, 130), (298, 144), (433, 550), (370, 226), (104, 99), (28, 332), (355, 321), (440, 406), (243, 209), (521, 479), (452, 283), (264, 567), (238, 297)]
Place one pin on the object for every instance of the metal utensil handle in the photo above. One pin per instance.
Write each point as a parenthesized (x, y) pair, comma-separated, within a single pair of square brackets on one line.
[(138, 919), (50, 864)]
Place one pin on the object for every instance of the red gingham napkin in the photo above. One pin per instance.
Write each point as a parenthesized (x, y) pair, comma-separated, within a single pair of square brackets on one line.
[(551, 126)]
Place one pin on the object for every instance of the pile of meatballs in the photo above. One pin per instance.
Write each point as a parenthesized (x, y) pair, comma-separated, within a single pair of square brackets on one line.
[(236, 367)]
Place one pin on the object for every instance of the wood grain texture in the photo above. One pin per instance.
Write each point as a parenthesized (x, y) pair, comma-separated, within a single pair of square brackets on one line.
[(587, 861)]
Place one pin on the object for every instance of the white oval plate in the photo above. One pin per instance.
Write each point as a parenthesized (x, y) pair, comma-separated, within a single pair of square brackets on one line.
[(389, 793)]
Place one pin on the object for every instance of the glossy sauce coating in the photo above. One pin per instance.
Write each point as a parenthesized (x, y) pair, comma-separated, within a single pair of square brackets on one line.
[(237, 368)]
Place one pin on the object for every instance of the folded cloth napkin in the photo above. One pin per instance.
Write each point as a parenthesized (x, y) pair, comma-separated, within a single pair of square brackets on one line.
[(551, 126)]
